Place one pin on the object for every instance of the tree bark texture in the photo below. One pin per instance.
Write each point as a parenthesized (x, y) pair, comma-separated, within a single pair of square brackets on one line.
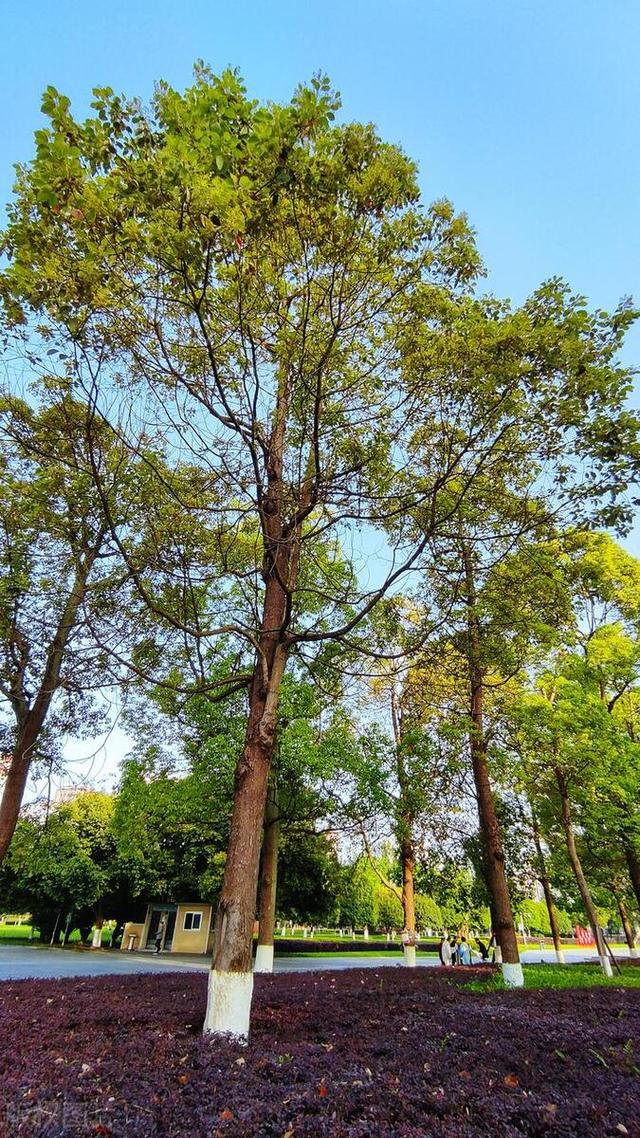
[(408, 894), (14, 788), (237, 905)]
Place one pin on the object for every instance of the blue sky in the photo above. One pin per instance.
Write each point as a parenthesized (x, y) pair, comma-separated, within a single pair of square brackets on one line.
[(524, 113)]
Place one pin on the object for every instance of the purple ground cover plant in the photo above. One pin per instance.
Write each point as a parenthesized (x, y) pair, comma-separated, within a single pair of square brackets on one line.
[(359, 1054)]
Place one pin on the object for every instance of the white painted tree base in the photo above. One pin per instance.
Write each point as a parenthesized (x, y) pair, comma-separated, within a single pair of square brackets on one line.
[(264, 958), (97, 938), (633, 953), (560, 956), (605, 964), (410, 955), (229, 1004), (498, 952), (512, 975)]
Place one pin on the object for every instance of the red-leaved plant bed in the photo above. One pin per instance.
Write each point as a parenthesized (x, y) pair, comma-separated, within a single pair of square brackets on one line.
[(360, 1054)]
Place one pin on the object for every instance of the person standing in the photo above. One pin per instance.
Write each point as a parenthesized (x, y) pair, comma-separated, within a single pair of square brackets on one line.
[(444, 951), (159, 941), (464, 952), (483, 950)]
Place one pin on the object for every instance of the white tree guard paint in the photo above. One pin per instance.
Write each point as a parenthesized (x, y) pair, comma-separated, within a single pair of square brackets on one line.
[(229, 1004), (498, 952), (410, 955), (264, 958), (560, 956), (512, 975), (97, 938), (605, 964), (633, 953)]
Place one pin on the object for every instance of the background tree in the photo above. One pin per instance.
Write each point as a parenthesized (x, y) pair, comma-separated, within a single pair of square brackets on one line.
[(61, 583), (67, 870)]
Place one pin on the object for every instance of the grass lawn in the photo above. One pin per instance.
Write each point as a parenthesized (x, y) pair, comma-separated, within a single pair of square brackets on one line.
[(19, 934), (579, 976), (14, 932), (539, 977)]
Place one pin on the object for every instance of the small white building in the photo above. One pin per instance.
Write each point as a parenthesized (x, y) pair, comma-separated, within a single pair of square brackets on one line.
[(186, 926)]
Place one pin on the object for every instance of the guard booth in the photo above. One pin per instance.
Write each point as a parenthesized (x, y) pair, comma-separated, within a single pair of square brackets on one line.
[(184, 927)]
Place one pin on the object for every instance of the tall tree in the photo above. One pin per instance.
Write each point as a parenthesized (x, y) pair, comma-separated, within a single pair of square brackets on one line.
[(245, 267)]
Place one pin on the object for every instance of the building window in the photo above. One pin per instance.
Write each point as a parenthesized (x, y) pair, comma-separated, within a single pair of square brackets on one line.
[(192, 922)]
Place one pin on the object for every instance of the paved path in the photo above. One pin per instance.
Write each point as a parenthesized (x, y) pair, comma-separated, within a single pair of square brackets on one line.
[(22, 962)]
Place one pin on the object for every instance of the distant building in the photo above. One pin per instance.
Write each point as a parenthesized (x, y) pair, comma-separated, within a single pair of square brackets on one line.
[(63, 795)]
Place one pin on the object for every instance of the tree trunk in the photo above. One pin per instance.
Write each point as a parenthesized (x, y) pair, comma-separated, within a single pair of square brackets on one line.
[(629, 934), (576, 865), (496, 877), (405, 836), (546, 886), (633, 863), (96, 941), (231, 978), (408, 901), (494, 861), (268, 885), (14, 789)]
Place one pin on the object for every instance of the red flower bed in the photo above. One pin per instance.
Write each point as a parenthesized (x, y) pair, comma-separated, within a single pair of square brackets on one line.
[(358, 1054)]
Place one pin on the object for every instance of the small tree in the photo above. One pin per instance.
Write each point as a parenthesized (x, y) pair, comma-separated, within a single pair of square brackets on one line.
[(61, 581)]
